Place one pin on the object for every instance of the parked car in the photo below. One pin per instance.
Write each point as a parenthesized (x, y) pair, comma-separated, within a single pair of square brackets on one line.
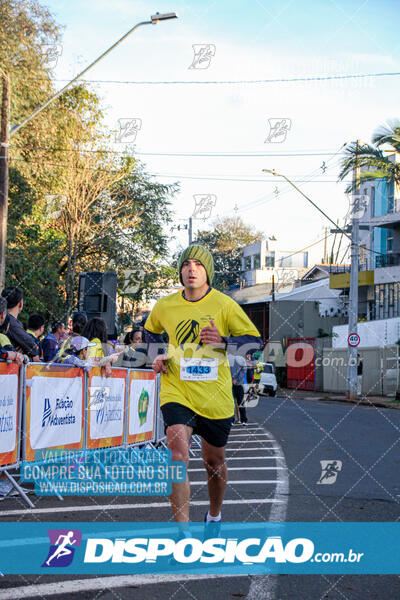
[(268, 383)]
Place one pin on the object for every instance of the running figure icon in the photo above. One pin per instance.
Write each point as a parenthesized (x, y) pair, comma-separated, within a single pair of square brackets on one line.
[(62, 549)]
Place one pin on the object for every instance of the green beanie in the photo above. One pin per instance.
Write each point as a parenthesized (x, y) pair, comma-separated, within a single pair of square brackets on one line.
[(197, 252)]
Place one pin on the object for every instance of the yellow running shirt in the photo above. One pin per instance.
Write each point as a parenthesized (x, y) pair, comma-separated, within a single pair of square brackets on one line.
[(198, 374)]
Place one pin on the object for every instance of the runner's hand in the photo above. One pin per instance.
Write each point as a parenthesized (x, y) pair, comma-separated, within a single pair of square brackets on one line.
[(211, 335), (159, 364)]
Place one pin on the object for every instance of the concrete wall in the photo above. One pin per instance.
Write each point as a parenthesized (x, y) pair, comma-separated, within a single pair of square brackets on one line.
[(380, 370), (387, 274), (289, 318), (381, 333)]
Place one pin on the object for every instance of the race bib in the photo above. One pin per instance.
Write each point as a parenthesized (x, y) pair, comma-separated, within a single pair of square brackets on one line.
[(199, 369)]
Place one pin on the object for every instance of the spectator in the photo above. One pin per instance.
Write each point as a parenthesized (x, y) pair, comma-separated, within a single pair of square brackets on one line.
[(35, 329), (257, 374), (52, 343), (135, 355), (7, 352), (359, 374), (79, 320), (95, 330), (20, 339), (238, 372), (77, 354), (250, 369)]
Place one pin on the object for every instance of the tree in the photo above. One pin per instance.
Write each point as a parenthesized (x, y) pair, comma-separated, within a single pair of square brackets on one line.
[(113, 213), (378, 163), (75, 205), (225, 242)]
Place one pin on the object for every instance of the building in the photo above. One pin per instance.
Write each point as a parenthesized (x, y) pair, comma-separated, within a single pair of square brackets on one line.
[(263, 263), (306, 313), (379, 266)]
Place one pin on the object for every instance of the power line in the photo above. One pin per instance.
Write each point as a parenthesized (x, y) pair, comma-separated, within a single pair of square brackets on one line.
[(269, 197), (212, 178), (239, 81), (249, 154)]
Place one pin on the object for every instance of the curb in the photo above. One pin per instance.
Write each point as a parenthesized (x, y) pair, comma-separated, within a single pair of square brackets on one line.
[(360, 402)]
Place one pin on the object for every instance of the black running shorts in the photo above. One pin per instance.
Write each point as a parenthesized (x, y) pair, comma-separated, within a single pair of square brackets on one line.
[(214, 431)]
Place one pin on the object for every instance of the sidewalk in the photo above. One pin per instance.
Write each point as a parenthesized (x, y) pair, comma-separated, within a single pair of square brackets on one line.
[(380, 401)]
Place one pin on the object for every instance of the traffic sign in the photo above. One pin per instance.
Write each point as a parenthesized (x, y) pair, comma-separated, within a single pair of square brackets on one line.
[(353, 340)]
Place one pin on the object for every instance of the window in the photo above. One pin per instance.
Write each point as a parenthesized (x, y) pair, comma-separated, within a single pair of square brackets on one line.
[(372, 200), (389, 241), (270, 259), (247, 263), (363, 255), (257, 261), (387, 300)]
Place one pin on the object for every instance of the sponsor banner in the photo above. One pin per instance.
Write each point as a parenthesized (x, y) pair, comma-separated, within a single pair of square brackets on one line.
[(9, 380), (237, 548), (106, 408), (141, 406), (54, 408)]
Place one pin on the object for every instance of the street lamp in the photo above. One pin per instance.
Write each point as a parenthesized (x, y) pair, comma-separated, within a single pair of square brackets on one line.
[(162, 17), (353, 295), (5, 133)]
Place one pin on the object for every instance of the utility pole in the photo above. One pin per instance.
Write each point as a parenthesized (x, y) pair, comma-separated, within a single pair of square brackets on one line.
[(190, 231), (353, 293), (325, 246), (4, 145)]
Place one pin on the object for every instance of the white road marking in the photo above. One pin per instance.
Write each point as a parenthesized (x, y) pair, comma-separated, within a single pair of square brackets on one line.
[(241, 469), (239, 482), (243, 448), (252, 440), (99, 583), (263, 587), (101, 507), (269, 457), (247, 436)]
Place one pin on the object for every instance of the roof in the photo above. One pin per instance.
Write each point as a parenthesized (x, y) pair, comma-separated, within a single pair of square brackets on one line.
[(318, 290), (324, 268)]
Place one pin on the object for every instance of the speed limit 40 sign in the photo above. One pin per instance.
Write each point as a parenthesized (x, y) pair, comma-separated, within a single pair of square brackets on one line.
[(353, 340)]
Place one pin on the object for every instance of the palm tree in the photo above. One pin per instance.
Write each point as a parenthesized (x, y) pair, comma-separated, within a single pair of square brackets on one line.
[(377, 161)]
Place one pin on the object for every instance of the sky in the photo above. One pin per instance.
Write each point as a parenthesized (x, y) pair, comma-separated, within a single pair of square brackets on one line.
[(233, 123)]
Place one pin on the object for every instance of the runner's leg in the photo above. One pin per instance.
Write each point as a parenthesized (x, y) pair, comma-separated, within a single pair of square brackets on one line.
[(178, 437), (214, 462)]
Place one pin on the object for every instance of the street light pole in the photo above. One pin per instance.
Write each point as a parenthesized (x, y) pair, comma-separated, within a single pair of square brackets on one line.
[(353, 292), (154, 19), (6, 133), (4, 165)]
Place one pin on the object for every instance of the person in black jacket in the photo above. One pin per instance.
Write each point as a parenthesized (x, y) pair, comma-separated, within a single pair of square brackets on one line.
[(19, 338), (7, 353)]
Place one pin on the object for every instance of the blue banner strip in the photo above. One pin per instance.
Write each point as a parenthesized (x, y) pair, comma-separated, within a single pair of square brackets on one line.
[(248, 548)]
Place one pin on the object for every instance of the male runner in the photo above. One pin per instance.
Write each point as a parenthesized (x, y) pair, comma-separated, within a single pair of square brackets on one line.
[(196, 384)]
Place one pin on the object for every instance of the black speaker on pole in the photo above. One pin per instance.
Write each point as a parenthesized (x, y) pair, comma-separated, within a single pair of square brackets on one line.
[(97, 296)]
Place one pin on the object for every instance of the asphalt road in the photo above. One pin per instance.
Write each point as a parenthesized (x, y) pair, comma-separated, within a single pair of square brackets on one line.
[(274, 468)]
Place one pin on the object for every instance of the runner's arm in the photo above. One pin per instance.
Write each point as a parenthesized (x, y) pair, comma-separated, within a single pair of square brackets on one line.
[(243, 340)]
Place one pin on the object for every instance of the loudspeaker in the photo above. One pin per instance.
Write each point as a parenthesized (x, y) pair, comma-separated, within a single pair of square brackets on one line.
[(97, 296)]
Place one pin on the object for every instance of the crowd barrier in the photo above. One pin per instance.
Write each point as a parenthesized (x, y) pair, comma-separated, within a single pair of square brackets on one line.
[(49, 406)]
